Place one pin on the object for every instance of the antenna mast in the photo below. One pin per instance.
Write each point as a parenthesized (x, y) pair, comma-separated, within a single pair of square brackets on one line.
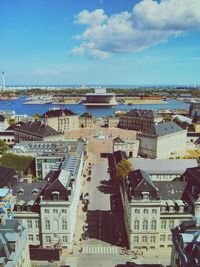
[(3, 81)]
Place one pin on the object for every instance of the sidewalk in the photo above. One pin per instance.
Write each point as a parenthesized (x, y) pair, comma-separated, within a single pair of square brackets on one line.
[(75, 248)]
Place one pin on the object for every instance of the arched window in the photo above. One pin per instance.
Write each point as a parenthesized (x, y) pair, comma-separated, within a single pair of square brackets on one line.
[(47, 225), (154, 211), (146, 211), (145, 225), (137, 211), (136, 225), (144, 239), (64, 225), (153, 225)]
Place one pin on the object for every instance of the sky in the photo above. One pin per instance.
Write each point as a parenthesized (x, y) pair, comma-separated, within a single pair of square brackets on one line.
[(119, 42)]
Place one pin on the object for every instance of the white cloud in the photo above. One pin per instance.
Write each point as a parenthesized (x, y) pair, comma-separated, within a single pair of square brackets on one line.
[(91, 18), (178, 15), (149, 23)]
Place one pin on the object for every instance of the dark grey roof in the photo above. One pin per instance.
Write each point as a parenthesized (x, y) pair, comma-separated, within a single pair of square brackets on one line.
[(163, 166), (55, 183), (7, 133), (170, 190), (192, 173), (118, 140), (29, 191), (138, 175), (57, 113), (36, 128), (164, 128), (12, 127), (142, 113), (8, 177)]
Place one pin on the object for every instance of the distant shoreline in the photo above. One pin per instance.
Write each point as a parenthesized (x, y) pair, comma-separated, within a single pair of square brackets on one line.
[(143, 101)]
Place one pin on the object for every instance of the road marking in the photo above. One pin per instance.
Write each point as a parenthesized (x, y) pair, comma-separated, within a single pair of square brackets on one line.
[(89, 249)]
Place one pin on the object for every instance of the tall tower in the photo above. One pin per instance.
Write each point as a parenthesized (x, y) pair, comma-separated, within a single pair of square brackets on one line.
[(3, 81)]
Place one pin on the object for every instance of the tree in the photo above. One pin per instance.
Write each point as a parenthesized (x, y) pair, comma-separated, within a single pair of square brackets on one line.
[(86, 115), (3, 147), (123, 168), (36, 116), (19, 163)]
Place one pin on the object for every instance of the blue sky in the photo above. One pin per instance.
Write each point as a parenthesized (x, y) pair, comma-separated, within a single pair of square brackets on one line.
[(100, 41)]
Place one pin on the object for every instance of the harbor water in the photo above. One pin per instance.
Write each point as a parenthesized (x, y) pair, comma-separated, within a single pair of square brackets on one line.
[(20, 108)]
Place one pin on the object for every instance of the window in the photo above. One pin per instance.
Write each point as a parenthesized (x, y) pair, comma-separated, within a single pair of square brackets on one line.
[(29, 222), (144, 239), (64, 225), (145, 225), (55, 195), (37, 238), (48, 239), (137, 211), (153, 239), (154, 211), (19, 208), (30, 237), (169, 238), (36, 223), (153, 225), (136, 225), (47, 225), (55, 211), (65, 239), (136, 239), (46, 210), (64, 211), (163, 224), (146, 211), (162, 238), (171, 224)]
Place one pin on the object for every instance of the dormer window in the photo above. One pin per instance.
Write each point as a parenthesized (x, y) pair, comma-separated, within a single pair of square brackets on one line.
[(55, 195), (145, 195), (19, 208), (20, 191), (35, 191)]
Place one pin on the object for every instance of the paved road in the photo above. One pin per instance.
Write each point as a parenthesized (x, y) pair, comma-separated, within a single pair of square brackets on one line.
[(98, 199)]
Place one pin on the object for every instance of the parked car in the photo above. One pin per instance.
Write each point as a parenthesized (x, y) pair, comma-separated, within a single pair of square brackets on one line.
[(85, 208), (86, 196), (89, 179), (85, 236), (85, 227)]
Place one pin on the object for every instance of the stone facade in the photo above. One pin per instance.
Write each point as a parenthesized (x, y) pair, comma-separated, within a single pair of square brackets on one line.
[(86, 122), (139, 120), (130, 147), (61, 120), (33, 131), (51, 214), (162, 141), (150, 212)]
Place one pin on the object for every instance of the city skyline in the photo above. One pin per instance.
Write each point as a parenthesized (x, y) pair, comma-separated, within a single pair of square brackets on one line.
[(100, 42)]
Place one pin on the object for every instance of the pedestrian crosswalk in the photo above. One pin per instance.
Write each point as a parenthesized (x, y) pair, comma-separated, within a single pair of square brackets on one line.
[(89, 249)]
